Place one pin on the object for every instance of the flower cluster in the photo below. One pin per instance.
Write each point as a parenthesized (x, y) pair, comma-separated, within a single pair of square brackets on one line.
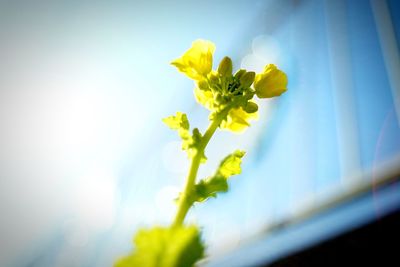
[(229, 97), (222, 90)]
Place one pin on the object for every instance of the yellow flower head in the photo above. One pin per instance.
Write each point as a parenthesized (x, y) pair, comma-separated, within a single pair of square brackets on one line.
[(196, 62), (272, 82), (238, 120), (204, 97), (228, 95)]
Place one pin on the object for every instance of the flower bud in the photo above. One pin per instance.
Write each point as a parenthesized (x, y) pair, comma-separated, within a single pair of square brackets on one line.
[(239, 73), (247, 79), (214, 78), (272, 82), (218, 98), (225, 67), (203, 85), (251, 107)]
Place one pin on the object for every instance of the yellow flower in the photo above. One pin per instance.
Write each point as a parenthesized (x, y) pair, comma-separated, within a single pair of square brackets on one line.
[(238, 120), (196, 62), (204, 97), (272, 82)]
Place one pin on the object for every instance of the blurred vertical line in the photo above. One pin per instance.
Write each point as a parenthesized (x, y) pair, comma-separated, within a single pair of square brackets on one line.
[(342, 84), (390, 50)]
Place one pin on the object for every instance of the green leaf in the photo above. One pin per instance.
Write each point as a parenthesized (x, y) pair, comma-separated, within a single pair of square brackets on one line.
[(165, 247), (230, 165), (177, 122), (180, 123), (190, 142), (207, 188), (217, 183)]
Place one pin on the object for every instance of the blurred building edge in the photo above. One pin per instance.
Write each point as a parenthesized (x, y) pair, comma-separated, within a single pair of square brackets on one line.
[(357, 226), (359, 223), (390, 48), (343, 93)]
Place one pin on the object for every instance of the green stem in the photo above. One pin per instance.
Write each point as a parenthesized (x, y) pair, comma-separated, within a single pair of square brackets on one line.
[(184, 203)]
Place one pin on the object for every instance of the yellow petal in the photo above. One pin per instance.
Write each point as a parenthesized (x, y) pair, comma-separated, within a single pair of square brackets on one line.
[(272, 82), (238, 120), (196, 62), (204, 97)]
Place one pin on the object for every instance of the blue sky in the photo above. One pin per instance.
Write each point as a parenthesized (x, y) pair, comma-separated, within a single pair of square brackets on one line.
[(86, 160)]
